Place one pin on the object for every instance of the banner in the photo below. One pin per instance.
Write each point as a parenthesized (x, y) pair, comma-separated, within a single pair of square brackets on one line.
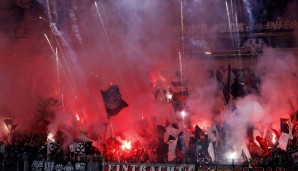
[(77, 147), (49, 165), (188, 167), (278, 25), (52, 166), (37, 165), (81, 166)]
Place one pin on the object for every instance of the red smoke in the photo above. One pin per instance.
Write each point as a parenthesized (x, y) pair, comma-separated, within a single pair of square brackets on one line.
[(130, 44)]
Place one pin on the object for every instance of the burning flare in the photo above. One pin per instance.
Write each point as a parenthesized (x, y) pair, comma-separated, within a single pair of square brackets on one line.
[(126, 145)]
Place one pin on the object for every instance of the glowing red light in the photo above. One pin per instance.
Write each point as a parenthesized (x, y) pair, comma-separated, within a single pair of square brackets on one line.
[(273, 138), (126, 145), (78, 117)]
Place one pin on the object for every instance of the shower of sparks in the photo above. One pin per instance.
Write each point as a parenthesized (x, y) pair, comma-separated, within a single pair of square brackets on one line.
[(57, 65), (181, 67), (238, 39), (233, 22), (105, 30), (114, 60), (248, 10), (49, 11), (229, 21), (182, 26), (57, 61), (49, 42), (59, 39)]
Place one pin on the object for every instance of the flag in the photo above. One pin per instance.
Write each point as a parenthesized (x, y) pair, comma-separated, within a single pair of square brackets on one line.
[(277, 134), (161, 130), (172, 149), (171, 138), (46, 106), (246, 151), (186, 136), (171, 133), (283, 141), (264, 145), (175, 125), (179, 100), (113, 101), (291, 130), (213, 133), (211, 151), (8, 122), (180, 91), (181, 146), (256, 133), (227, 87), (284, 125), (178, 84), (160, 95)]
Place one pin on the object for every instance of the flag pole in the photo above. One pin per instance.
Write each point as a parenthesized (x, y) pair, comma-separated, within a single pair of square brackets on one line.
[(108, 151), (113, 103), (108, 115), (110, 123)]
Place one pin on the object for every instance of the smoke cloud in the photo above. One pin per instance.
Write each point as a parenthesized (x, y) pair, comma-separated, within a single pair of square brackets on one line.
[(75, 49)]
